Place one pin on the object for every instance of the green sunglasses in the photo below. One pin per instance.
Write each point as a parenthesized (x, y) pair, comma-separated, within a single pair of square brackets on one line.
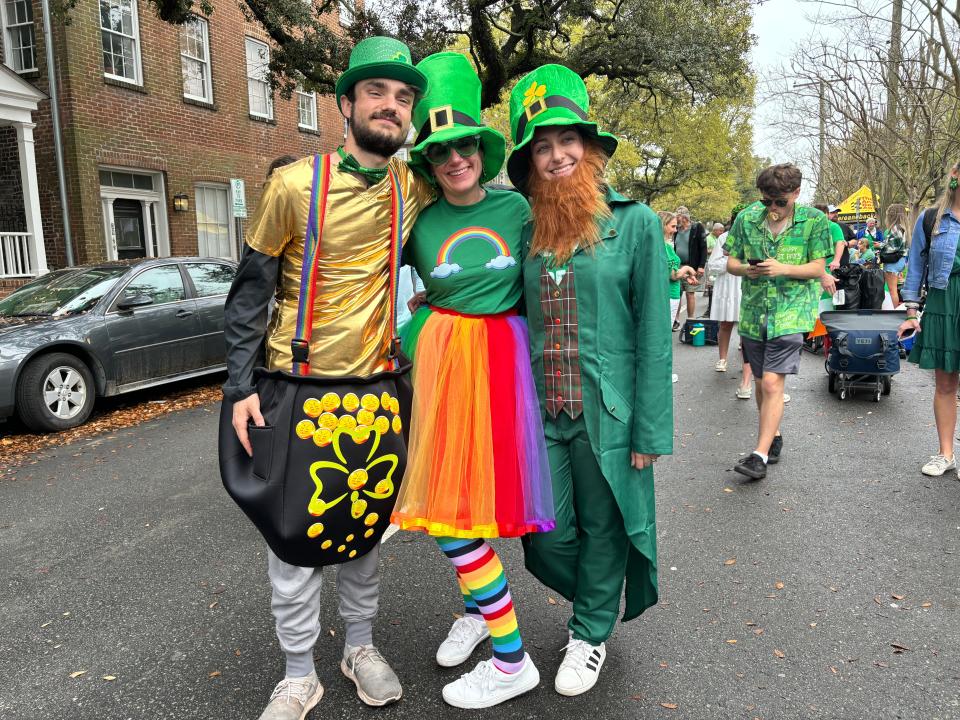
[(439, 153)]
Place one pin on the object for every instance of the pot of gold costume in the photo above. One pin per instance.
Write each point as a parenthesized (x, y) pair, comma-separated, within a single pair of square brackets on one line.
[(326, 467)]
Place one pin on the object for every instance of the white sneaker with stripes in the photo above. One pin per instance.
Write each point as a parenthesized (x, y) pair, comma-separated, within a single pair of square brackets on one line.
[(580, 667)]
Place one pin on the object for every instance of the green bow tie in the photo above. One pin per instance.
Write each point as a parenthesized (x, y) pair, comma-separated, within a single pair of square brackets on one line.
[(348, 163)]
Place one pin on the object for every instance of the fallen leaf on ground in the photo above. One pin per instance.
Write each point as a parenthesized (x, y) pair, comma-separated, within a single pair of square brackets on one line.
[(551, 600), (926, 605), (109, 677), (664, 665), (669, 706), (897, 597), (133, 410), (880, 664), (731, 642), (728, 490), (636, 697), (212, 605), (78, 673), (779, 585), (731, 561), (898, 648), (780, 654), (833, 670), (215, 673), (758, 632)]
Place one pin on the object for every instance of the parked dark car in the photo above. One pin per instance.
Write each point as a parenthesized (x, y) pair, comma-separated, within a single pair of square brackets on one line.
[(78, 333)]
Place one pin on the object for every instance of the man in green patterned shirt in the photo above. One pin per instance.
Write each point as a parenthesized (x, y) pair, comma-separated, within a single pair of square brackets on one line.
[(779, 248)]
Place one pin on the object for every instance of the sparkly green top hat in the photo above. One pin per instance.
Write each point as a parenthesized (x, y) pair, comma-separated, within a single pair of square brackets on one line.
[(451, 110), (380, 57), (551, 95)]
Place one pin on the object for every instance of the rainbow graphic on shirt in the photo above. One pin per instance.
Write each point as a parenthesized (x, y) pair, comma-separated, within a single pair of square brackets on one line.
[(445, 265)]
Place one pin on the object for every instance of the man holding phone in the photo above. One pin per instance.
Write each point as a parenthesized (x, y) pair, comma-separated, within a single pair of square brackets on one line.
[(780, 249)]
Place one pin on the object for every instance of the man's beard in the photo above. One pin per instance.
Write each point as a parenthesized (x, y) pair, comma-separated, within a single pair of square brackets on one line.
[(567, 211), (375, 142)]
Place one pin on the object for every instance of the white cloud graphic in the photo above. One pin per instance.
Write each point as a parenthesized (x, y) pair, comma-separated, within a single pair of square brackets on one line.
[(443, 270), (501, 262)]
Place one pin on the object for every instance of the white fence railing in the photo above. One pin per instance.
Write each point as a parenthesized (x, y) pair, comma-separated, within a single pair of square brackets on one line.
[(15, 255)]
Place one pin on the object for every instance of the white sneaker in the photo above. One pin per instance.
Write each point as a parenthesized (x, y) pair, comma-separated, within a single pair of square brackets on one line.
[(293, 698), (580, 667), (938, 465), (745, 393), (721, 366), (464, 636), (485, 685)]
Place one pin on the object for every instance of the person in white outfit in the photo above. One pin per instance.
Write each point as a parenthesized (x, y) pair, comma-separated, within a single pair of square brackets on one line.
[(725, 308)]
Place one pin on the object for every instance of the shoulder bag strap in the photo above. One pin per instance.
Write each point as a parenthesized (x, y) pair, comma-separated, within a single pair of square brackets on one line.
[(396, 241), (300, 344)]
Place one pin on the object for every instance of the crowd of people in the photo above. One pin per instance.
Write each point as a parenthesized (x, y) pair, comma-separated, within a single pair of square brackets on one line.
[(540, 348)]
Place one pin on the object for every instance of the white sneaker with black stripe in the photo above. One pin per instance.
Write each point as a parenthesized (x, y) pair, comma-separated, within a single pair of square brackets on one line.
[(580, 667)]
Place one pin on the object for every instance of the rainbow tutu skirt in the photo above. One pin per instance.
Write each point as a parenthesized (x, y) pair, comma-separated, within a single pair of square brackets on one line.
[(476, 463)]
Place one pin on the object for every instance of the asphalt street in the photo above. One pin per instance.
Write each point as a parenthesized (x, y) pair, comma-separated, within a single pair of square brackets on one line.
[(828, 590)]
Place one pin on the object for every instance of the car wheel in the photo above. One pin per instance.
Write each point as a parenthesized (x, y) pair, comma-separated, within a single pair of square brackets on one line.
[(55, 392)]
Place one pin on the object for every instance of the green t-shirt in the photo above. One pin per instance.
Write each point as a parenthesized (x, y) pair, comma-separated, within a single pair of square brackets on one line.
[(673, 264), (469, 256), (774, 306)]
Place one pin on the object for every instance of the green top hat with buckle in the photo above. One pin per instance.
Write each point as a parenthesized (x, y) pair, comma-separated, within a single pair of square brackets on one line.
[(380, 57), (551, 95), (450, 110)]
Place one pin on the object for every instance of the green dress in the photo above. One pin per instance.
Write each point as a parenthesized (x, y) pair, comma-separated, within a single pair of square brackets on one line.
[(937, 346)]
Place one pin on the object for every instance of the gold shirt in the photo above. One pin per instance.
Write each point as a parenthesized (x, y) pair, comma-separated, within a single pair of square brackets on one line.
[(350, 315)]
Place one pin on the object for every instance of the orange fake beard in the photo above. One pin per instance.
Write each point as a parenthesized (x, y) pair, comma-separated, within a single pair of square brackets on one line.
[(567, 211)]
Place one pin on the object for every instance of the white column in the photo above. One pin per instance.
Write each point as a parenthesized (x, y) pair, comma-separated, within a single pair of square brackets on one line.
[(31, 196)]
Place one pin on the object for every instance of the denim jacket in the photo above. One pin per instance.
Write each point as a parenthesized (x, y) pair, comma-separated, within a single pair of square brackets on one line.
[(940, 258)]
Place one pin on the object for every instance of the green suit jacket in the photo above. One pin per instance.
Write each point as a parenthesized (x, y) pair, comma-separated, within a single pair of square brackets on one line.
[(623, 312)]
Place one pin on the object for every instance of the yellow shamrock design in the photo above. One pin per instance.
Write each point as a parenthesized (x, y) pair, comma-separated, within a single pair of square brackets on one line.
[(356, 478), (534, 92)]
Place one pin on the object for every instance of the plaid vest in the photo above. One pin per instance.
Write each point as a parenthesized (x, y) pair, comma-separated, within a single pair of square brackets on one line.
[(561, 348)]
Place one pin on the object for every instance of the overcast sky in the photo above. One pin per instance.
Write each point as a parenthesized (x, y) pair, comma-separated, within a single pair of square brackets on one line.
[(779, 25)]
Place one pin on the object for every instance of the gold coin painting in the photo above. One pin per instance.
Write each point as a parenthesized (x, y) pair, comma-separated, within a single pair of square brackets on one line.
[(364, 420)]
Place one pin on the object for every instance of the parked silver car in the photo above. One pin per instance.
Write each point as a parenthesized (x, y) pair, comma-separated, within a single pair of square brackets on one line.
[(78, 333)]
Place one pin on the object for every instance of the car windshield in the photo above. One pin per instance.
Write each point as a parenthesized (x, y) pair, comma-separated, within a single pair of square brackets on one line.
[(61, 292)]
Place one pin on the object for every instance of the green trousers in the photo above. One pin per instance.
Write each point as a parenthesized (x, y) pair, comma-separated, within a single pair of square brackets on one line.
[(585, 557)]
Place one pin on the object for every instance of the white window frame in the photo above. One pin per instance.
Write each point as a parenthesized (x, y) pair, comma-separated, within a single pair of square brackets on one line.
[(204, 62), (253, 76), (347, 12), (9, 26), (230, 223), (311, 97), (134, 39)]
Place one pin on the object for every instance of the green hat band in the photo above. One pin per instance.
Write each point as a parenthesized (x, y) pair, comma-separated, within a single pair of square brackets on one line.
[(442, 118), (542, 105)]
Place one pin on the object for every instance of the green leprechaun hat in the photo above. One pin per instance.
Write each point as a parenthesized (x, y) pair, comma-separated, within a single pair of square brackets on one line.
[(380, 57), (551, 95), (450, 110)]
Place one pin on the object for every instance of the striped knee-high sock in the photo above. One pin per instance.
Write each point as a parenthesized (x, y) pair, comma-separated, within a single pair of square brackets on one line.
[(470, 606), (481, 572)]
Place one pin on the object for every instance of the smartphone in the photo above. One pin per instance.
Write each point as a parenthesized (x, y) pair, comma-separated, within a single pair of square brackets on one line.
[(754, 261)]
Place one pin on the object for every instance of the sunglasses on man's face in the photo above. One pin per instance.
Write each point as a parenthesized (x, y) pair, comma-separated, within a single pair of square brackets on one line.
[(779, 202), (439, 153)]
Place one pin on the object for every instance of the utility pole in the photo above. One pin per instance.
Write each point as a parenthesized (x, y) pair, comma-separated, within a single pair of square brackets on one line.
[(821, 85), (894, 60)]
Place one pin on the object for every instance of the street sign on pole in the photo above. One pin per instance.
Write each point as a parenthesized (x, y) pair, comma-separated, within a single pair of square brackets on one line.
[(238, 195)]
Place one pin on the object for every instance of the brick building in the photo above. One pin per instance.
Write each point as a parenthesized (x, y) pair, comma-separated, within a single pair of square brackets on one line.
[(156, 120)]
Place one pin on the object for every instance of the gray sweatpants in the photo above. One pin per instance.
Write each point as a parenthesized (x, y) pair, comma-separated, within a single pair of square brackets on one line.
[(295, 603)]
